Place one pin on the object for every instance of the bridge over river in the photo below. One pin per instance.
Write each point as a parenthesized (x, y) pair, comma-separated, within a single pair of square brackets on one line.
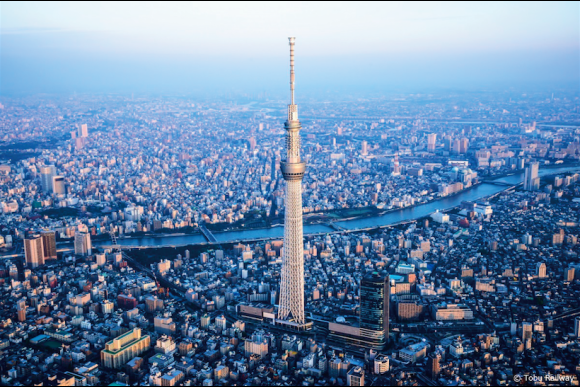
[(207, 234)]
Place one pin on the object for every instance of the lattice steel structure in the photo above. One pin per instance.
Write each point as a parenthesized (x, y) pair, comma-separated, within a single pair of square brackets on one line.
[(292, 284)]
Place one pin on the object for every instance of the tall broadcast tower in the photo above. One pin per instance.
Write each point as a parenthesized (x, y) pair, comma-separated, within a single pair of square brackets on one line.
[(291, 308)]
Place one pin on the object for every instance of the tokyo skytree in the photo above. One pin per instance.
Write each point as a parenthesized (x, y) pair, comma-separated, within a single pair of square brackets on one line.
[(292, 285)]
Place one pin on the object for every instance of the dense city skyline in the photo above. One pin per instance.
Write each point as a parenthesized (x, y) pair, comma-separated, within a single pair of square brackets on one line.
[(167, 217)]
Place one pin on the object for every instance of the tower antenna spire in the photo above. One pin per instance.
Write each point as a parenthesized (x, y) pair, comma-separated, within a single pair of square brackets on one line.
[(292, 40), (292, 108)]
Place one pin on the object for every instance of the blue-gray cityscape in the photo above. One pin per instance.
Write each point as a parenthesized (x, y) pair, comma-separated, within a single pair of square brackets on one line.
[(290, 238)]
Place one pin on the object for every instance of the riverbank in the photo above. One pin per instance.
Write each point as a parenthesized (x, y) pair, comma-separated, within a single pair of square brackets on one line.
[(317, 221), (153, 254), (389, 218), (107, 238)]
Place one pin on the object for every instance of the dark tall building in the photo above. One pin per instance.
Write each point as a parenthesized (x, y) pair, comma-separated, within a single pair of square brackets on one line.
[(433, 366), (49, 244), (374, 310)]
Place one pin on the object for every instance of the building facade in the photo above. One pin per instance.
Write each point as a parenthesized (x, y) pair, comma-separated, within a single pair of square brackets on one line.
[(120, 350), (374, 310), (531, 179), (49, 244), (34, 251), (46, 175), (83, 243)]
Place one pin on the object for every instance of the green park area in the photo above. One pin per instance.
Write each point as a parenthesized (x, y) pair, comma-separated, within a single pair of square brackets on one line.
[(62, 212)]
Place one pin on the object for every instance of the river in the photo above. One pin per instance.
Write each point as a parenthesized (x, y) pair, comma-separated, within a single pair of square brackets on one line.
[(405, 214)]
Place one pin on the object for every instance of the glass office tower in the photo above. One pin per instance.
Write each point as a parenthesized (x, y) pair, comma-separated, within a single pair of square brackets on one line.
[(374, 310)]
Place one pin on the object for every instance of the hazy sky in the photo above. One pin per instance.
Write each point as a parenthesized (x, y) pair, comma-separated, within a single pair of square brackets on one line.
[(341, 47)]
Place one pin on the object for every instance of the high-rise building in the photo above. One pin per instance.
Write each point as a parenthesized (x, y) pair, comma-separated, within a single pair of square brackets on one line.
[(364, 150), (83, 131), (257, 345), (119, 351), (447, 143), (153, 304), (107, 307), (58, 185), (49, 244), (431, 140), (527, 330), (34, 251), (82, 243), (531, 179), (456, 147), (221, 372), (433, 366), (463, 145), (396, 169), (46, 177), (541, 270), (382, 364), (577, 327), (460, 145), (21, 308), (205, 321), (374, 310), (355, 377), (292, 282), (220, 323), (569, 273), (558, 237)]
